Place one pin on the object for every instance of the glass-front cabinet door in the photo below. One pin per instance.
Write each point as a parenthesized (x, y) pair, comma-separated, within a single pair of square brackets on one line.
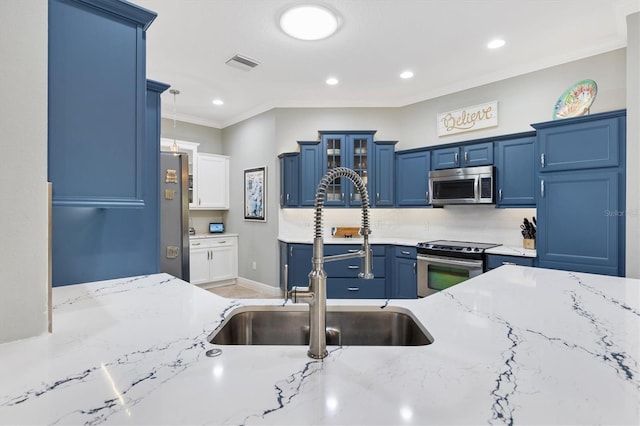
[(346, 149), (334, 147)]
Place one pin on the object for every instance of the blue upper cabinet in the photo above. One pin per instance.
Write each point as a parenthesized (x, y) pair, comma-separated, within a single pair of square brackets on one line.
[(580, 165), (347, 149), (96, 102), (580, 145), (515, 180), (412, 178), (289, 179), (469, 155), (383, 174), (311, 171)]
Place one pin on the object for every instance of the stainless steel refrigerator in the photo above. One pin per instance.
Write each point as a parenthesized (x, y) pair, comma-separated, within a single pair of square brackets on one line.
[(174, 214)]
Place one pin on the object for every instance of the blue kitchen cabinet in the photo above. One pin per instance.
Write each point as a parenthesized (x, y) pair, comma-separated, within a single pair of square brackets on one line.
[(342, 275), (515, 172), (289, 179), (468, 155), (412, 178), (383, 174), (297, 259), (496, 260), (404, 284), (581, 201), (310, 172), (347, 149), (103, 142)]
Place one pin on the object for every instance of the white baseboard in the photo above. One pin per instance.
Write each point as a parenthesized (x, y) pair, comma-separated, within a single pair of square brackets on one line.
[(258, 286), (215, 284)]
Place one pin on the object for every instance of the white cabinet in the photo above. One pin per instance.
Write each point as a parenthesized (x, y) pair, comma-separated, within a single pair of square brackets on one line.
[(213, 258), (208, 176), (212, 190)]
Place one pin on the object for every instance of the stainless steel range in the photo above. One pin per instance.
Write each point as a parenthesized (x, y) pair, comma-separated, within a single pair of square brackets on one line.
[(443, 264)]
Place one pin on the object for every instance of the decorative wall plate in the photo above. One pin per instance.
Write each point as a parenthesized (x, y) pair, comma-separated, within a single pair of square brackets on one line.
[(576, 100)]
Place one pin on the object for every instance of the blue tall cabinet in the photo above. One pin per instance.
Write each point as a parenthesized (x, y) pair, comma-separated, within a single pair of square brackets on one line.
[(103, 141), (581, 193)]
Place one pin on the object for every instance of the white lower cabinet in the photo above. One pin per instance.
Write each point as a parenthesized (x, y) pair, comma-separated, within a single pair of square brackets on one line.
[(213, 259)]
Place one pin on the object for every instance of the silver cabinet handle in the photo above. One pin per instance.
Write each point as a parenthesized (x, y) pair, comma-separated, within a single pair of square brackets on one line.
[(351, 196), (199, 201), (353, 250), (353, 288), (377, 196), (291, 251), (222, 242), (287, 198), (415, 267), (542, 160), (286, 276), (509, 263), (426, 196), (455, 158), (466, 156), (542, 188), (353, 267), (342, 197), (405, 252), (500, 194), (195, 244)]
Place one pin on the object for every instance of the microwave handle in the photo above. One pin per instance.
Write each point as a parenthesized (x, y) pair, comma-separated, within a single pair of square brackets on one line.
[(477, 189)]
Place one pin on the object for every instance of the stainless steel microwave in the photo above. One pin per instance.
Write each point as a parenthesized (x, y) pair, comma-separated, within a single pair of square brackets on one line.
[(469, 185)]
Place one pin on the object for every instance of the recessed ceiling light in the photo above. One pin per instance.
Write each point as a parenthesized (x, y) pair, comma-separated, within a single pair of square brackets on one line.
[(332, 81), (495, 44), (309, 22), (218, 102), (406, 74)]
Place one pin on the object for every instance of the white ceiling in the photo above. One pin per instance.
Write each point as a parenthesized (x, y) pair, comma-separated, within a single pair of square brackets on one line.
[(441, 41)]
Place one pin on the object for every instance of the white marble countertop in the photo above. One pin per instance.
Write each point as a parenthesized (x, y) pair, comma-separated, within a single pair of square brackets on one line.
[(512, 251), (516, 345), (222, 235)]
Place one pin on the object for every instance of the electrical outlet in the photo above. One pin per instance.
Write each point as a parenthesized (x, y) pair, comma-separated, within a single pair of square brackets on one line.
[(253, 265)]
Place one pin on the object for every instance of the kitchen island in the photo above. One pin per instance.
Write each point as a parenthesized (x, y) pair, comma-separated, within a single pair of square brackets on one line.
[(516, 345)]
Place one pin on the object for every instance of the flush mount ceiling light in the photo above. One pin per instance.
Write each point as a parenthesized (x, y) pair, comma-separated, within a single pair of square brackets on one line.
[(309, 22), (332, 81), (495, 44), (218, 102), (406, 74)]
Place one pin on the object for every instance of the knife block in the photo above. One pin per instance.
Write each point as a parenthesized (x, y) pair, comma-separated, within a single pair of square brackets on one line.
[(529, 243)]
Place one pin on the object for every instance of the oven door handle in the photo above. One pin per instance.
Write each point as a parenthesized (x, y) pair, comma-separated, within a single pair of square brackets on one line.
[(451, 262)]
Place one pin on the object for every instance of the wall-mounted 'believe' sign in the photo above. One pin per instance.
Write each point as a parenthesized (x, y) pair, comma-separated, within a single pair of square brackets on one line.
[(468, 118)]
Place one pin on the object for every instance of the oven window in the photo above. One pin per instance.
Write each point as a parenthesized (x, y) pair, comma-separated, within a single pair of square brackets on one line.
[(443, 277), (454, 189)]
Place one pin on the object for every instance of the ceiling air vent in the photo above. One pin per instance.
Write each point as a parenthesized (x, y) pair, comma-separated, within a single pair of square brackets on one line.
[(242, 63)]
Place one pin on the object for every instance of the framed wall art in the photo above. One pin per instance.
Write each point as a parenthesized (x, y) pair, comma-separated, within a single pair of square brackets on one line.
[(255, 194)]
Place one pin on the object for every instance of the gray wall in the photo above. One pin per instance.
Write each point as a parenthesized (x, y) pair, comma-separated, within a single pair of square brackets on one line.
[(252, 143), (209, 138), (522, 100), (23, 132)]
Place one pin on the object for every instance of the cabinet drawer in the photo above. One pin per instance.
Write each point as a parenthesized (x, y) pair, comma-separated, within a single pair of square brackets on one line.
[(406, 252), (349, 288), (213, 242), (350, 268), (496, 260), (331, 249)]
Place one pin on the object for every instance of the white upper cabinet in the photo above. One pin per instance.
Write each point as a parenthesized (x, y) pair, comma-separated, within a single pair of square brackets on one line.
[(208, 176), (213, 182)]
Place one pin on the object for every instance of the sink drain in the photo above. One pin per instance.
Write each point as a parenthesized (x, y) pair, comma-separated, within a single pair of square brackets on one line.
[(213, 352)]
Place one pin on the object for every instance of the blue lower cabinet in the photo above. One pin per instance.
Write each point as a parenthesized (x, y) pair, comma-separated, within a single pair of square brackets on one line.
[(404, 282), (355, 288), (497, 260), (298, 264)]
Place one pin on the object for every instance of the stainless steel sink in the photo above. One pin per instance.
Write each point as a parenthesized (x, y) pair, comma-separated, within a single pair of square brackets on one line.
[(346, 325)]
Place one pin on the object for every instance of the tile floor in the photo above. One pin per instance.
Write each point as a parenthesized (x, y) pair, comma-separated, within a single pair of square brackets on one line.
[(239, 292)]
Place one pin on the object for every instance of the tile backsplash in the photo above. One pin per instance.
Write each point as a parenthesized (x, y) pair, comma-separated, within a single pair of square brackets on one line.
[(465, 223)]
